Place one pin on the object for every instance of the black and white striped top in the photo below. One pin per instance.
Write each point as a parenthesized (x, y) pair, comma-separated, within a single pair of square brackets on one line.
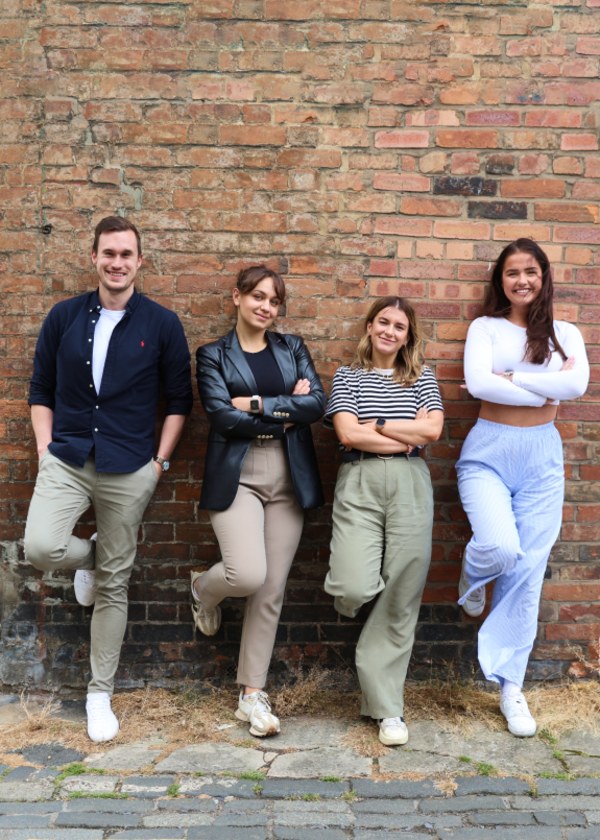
[(368, 394)]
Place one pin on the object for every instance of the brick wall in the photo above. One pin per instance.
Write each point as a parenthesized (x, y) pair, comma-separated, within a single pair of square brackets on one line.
[(381, 146)]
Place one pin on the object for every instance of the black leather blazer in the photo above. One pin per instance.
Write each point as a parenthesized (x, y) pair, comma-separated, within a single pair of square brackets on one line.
[(222, 373)]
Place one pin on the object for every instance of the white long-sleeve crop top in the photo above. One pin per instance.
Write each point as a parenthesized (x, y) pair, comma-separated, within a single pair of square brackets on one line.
[(495, 345)]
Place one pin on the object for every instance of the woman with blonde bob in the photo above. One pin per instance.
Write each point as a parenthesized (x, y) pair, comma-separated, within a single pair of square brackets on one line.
[(384, 407)]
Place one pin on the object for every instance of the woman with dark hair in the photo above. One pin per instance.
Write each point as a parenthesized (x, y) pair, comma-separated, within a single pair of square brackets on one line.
[(519, 362), (384, 407), (260, 391)]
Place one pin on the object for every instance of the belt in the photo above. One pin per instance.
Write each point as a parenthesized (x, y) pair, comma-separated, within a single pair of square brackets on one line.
[(357, 455)]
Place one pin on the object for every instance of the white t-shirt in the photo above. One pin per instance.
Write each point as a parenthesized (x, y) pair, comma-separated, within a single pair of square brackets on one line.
[(495, 345), (108, 320)]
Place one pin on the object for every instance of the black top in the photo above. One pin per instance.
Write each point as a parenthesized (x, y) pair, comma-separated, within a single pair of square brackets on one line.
[(269, 380)]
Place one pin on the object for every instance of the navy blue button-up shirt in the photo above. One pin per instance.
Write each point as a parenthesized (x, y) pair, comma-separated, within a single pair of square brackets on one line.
[(147, 357)]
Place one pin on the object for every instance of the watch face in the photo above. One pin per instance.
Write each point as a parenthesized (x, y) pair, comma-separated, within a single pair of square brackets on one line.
[(166, 465), (254, 405)]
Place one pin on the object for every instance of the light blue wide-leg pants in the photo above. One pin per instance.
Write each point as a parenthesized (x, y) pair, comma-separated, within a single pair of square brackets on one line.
[(511, 485)]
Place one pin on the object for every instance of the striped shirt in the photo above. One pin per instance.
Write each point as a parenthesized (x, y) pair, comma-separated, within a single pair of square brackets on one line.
[(368, 394)]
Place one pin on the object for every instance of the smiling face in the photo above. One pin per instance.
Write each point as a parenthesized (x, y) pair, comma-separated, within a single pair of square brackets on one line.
[(521, 282), (258, 308), (389, 331), (117, 261)]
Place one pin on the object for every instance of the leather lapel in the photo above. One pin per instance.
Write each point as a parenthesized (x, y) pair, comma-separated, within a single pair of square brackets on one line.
[(284, 359), (235, 354)]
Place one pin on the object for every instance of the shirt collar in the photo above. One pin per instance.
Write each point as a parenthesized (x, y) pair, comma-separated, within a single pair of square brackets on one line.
[(130, 306)]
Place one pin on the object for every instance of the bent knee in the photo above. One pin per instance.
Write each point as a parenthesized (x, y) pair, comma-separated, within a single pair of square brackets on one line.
[(42, 554), (494, 558), (246, 582)]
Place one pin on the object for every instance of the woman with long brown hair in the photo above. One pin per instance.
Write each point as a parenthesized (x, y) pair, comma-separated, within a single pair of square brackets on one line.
[(519, 362)]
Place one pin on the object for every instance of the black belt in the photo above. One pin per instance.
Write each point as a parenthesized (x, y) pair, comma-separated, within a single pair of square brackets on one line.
[(357, 455)]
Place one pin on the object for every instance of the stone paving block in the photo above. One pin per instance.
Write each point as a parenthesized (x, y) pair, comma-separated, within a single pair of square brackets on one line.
[(374, 835), (509, 755), (418, 762), (468, 785), (593, 817), (30, 821), (301, 733), (107, 806), (221, 832), (18, 792), (287, 788), (242, 820), (95, 819), (395, 789), (20, 774), (465, 803), (581, 751), (557, 803), (211, 758), (590, 833), (181, 805), (51, 755), (46, 807), (327, 761), (521, 833), (165, 819), (502, 818), (559, 818), (126, 757), (390, 822), (89, 783), (52, 834), (384, 806), (208, 786), (282, 832), (150, 786), (151, 834), (573, 788), (312, 816)]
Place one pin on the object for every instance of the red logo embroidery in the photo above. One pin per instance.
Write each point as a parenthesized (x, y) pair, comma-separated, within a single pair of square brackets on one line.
[(141, 343)]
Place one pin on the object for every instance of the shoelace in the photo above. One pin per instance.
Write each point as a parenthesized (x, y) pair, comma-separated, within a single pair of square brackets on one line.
[(395, 721), (262, 700)]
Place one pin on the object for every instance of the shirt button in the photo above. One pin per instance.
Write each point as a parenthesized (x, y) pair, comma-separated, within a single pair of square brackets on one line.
[(88, 363), (93, 322), (95, 430), (91, 384), (97, 406), (89, 339)]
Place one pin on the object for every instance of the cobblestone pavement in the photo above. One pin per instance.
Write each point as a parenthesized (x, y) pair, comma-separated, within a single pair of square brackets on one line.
[(305, 783)]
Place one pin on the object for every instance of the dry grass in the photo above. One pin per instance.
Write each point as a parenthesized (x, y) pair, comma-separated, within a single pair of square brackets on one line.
[(190, 716)]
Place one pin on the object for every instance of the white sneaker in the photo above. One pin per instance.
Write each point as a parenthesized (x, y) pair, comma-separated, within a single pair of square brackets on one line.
[(475, 603), (85, 583), (255, 709), (517, 714), (85, 587), (206, 619), (102, 725), (393, 731)]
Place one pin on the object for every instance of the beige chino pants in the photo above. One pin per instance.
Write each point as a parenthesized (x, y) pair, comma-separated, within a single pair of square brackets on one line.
[(62, 494), (258, 536)]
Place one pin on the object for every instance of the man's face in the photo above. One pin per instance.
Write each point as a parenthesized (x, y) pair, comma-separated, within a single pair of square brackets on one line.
[(117, 261)]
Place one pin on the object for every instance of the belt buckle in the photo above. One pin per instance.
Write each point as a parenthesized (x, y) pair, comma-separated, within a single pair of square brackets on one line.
[(385, 457)]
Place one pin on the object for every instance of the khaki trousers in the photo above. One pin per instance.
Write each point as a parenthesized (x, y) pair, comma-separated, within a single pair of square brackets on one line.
[(258, 537), (381, 546), (62, 494)]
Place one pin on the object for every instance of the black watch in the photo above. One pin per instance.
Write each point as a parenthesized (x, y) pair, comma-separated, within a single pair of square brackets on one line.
[(255, 404), (379, 424)]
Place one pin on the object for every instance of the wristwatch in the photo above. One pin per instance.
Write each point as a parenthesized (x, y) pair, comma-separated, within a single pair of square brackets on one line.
[(254, 404), (379, 424), (163, 462)]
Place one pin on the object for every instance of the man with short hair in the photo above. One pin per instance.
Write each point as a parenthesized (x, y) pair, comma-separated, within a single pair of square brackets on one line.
[(102, 360)]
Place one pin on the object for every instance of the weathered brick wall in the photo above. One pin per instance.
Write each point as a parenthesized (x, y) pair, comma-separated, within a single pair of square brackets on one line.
[(363, 147)]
